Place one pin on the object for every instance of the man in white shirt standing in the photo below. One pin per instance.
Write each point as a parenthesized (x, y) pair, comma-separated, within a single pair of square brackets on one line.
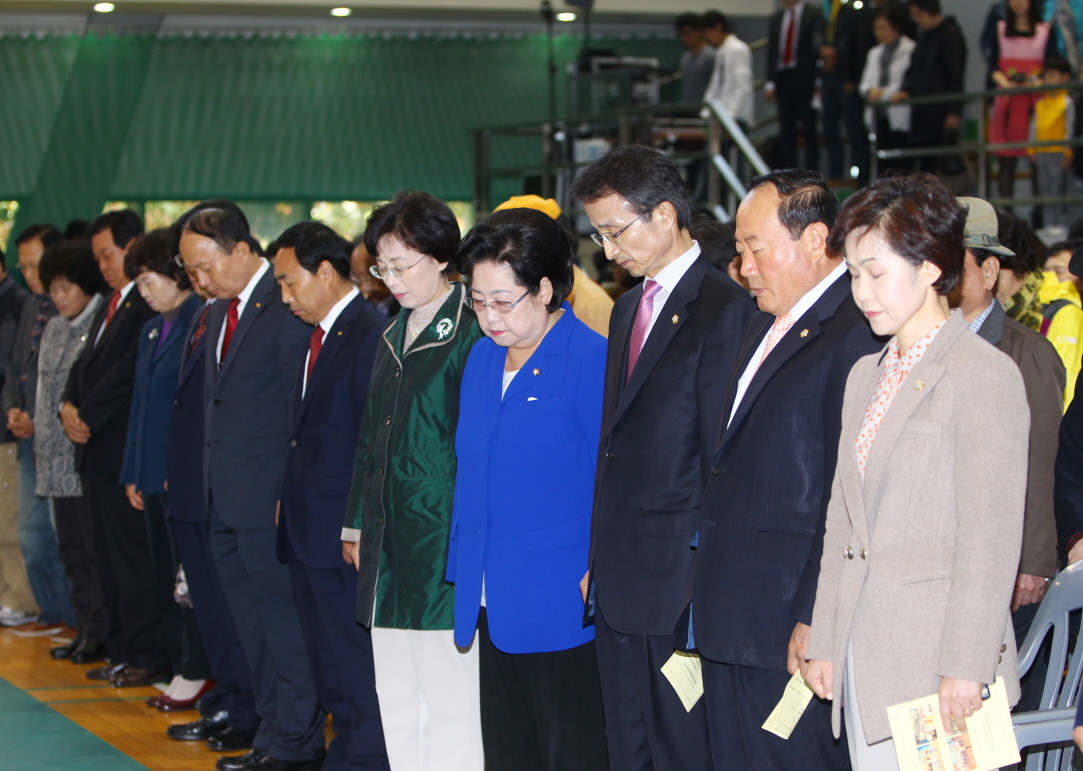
[(731, 81)]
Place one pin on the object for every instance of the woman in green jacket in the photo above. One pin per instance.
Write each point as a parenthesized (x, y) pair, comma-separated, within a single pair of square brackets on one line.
[(399, 514)]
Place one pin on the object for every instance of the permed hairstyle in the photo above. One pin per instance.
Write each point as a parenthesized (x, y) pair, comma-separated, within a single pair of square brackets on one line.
[(73, 259), (421, 221), (154, 252)]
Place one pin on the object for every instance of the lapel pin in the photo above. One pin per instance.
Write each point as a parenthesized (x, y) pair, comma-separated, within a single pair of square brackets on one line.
[(128, 304), (259, 305), (804, 333), (340, 333), (920, 385), (675, 318), (537, 371), (153, 334)]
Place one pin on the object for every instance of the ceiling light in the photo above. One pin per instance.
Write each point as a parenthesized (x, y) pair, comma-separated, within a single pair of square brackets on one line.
[(104, 7), (566, 16), (341, 11)]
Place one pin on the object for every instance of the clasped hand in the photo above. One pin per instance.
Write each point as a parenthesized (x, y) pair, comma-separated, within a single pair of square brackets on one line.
[(74, 427)]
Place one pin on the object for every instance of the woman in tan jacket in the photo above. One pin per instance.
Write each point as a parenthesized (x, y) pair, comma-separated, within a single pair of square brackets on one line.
[(926, 514)]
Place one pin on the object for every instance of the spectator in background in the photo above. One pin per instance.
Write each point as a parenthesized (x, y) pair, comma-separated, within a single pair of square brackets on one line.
[(832, 94), (1062, 320), (854, 37), (1053, 121), (1058, 260), (937, 66), (1068, 475), (1021, 279), (373, 289), (795, 36), (731, 80), (697, 62), (885, 67), (37, 535), (717, 242)]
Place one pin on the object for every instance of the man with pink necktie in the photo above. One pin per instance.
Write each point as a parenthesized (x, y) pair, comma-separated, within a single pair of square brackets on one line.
[(761, 536), (673, 343)]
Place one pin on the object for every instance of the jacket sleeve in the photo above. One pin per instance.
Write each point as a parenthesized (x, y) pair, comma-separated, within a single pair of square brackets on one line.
[(822, 644), (1068, 477), (870, 76), (111, 394), (353, 517), (9, 397), (955, 69), (990, 424), (1066, 334), (132, 442)]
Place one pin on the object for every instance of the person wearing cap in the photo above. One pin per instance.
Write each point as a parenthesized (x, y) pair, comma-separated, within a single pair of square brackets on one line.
[(591, 304), (1043, 378)]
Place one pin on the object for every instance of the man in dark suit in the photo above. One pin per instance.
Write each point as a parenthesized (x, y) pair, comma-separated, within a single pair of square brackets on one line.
[(672, 345), (765, 504), (94, 412), (255, 350), (312, 266), (795, 37)]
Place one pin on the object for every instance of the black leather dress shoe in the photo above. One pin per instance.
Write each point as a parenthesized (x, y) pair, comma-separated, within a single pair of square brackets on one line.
[(201, 729), (231, 740), (267, 763), (65, 651), (105, 672), (138, 677), (88, 652), (245, 762)]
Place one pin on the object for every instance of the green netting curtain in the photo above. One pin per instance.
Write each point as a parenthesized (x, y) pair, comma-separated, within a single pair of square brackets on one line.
[(88, 119)]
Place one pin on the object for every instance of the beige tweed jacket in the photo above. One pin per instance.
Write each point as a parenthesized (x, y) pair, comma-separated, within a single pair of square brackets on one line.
[(920, 557)]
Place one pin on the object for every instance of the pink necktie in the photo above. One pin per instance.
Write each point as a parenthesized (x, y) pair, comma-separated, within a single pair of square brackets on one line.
[(642, 322), (778, 331)]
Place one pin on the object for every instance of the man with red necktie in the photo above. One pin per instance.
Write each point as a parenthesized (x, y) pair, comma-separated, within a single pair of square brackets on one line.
[(94, 412), (672, 348), (795, 37), (312, 265)]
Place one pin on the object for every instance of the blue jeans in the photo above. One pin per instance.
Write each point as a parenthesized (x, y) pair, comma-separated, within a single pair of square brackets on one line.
[(37, 540)]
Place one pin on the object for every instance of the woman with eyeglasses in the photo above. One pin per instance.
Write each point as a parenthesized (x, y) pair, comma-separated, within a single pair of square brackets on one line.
[(398, 518), (527, 444)]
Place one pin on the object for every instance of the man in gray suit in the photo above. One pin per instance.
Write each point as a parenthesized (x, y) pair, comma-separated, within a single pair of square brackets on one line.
[(255, 350)]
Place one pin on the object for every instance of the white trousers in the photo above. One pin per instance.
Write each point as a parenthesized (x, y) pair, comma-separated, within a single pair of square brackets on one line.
[(429, 700), (863, 757)]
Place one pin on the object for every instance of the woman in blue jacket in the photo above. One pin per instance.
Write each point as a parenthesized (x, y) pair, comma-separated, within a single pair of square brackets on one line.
[(167, 290), (527, 442)]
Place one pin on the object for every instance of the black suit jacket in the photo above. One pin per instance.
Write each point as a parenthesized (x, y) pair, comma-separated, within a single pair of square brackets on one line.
[(765, 504), (101, 382), (1068, 483), (186, 497), (810, 39), (247, 402), (326, 424), (658, 432)]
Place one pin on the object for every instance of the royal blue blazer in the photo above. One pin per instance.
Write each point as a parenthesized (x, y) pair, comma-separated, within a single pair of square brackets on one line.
[(157, 369), (524, 490)]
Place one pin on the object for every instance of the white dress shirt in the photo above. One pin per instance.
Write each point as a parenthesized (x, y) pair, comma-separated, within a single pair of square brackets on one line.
[(668, 277), (123, 295), (243, 301), (328, 322), (799, 309), (731, 82)]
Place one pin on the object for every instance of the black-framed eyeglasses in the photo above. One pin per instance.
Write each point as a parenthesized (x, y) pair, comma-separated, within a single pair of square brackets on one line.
[(611, 238), (500, 306), (389, 271)]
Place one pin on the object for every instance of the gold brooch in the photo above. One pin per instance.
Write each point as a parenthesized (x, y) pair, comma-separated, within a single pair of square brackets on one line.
[(804, 333), (919, 385), (537, 371), (259, 305), (675, 318)]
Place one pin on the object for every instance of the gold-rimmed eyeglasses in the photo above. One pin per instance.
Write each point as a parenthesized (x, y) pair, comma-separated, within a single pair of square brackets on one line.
[(383, 274), (500, 306), (611, 238)]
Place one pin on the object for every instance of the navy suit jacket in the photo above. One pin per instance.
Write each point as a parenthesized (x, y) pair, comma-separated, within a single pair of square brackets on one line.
[(186, 498), (247, 400), (326, 423), (524, 490), (658, 433), (765, 504), (157, 368)]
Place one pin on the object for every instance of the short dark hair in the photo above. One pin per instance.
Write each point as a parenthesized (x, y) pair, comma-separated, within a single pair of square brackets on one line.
[(225, 225), (716, 240), (916, 215), (1071, 245), (640, 175), (1016, 233), (314, 243), (421, 221), (1059, 64), (177, 228), (693, 20), (715, 18), (48, 234), (981, 255), (154, 252), (929, 6), (804, 199), (73, 259), (76, 229), (124, 225), (895, 13), (530, 243)]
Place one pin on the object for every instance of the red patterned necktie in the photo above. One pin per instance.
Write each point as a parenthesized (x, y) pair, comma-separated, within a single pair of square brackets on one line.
[(231, 324), (315, 343), (787, 51), (642, 322), (111, 311), (201, 328)]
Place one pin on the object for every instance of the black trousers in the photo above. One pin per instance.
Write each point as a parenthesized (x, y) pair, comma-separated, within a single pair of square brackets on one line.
[(794, 102), (646, 724), (136, 636), (182, 637), (75, 543), (739, 700), (340, 655), (232, 690), (260, 599), (541, 711)]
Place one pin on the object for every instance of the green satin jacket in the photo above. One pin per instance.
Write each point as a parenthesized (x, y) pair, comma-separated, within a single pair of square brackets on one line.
[(404, 472)]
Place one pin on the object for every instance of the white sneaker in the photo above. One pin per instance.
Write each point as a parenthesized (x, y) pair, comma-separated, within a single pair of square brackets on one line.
[(12, 617)]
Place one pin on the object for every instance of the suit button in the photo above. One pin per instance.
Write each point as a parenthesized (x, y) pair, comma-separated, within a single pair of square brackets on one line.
[(176, 402), (380, 470), (999, 659), (379, 520), (397, 372), (863, 553), (293, 443), (717, 470), (610, 455), (387, 421), (208, 444), (217, 402), (1003, 648), (848, 553)]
